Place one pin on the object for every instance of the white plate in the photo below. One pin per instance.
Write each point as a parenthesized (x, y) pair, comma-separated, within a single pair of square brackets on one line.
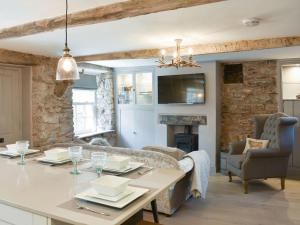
[(45, 160), (131, 166), (93, 193), (6, 152), (136, 193)]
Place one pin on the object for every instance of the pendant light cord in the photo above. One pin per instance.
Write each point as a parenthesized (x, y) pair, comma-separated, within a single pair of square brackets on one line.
[(66, 30)]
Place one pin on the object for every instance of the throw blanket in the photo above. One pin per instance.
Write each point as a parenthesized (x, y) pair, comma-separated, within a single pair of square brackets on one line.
[(200, 173)]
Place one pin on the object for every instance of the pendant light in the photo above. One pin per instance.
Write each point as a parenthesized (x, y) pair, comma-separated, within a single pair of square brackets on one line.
[(67, 67)]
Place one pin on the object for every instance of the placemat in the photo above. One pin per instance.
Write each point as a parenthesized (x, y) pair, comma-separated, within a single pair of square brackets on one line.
[(111, 213)]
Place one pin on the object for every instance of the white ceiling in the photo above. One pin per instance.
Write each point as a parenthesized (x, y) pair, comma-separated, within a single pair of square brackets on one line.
[(16, 12), (210, 23)]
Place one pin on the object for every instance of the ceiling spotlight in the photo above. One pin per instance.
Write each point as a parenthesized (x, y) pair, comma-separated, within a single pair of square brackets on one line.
[(251, 22)]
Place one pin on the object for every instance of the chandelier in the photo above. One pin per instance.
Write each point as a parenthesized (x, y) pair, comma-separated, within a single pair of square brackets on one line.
[(177, 61)]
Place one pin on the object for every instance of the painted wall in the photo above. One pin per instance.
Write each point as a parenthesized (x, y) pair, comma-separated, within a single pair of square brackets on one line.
[(208, 135)]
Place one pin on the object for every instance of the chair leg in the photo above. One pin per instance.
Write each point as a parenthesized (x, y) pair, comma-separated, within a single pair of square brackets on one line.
[(245, 183), (282, 183), (230, 176)]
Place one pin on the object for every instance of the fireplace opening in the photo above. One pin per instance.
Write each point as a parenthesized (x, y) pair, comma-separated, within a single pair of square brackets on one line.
[(186, 141)]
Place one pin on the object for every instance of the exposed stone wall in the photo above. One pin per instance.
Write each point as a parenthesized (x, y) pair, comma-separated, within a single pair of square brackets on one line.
[(105, 102), (52, 113), (258, 94)]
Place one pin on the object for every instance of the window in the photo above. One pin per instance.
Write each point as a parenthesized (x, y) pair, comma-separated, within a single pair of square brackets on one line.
[(84, 111)]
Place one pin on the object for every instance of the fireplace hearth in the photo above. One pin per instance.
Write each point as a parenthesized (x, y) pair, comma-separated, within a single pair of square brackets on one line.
[(186, 141)]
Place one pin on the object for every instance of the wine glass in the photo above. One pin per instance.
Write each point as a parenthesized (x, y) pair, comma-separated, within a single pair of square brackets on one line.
[(75, 153), (98, 161), (22, 148)]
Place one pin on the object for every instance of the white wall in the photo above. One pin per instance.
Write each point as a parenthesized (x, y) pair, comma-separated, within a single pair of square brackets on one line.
[(208, 135)]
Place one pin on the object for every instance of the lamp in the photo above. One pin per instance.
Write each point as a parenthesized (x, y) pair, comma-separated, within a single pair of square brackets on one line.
[(67, 67), (178, 60)]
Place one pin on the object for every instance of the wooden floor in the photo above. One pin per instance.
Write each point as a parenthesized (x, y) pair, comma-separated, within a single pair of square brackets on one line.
[(226, 204)]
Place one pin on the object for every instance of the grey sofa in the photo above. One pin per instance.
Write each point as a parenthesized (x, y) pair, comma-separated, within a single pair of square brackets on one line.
[(271, 162)]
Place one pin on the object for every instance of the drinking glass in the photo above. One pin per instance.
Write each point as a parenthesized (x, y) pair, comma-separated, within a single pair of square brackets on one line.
[(22, 148), (75, 153), (98, 161)]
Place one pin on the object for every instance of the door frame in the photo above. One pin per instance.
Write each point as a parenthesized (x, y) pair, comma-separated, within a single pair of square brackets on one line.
[(26, 74)]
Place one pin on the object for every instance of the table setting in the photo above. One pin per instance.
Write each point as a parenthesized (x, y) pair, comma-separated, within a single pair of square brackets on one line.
[(111, 188)]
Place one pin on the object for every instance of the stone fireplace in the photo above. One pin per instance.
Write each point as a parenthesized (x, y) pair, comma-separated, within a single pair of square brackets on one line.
[(182, 130)]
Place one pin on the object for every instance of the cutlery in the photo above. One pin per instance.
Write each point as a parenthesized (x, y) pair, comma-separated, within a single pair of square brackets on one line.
[(79, 206)]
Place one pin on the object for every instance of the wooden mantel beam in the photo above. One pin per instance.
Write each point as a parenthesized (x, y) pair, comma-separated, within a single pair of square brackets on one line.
[(106, 13), (200, 49)]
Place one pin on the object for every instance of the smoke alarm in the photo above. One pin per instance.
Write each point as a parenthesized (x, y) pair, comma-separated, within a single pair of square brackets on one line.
[(251, 22)]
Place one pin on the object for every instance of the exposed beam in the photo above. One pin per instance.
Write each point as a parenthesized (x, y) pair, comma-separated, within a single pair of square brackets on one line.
[(19, 58), (200, 49), (116, 11)]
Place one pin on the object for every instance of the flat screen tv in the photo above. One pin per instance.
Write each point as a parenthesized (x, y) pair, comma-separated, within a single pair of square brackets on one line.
[(181, 89)]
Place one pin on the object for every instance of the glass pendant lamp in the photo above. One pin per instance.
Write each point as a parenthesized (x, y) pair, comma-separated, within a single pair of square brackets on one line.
[(67, 67)]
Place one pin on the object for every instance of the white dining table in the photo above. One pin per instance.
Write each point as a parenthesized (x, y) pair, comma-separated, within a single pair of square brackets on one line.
[(34, 193)]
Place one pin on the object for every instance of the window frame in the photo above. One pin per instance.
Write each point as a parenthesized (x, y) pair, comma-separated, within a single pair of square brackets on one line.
[(94, 106)]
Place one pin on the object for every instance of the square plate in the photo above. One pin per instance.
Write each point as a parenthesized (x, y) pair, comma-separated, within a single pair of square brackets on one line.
[(51, 161), (92, 193), (131, 166), (136, 193), (8, 153)]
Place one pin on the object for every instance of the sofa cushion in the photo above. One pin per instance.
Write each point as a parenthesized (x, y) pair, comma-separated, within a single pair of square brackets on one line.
[(271, 129), (99, 141), (173, 152), (236, 160)]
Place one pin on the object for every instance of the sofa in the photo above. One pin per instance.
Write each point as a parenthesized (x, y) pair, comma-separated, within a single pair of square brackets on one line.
[(168, 201)]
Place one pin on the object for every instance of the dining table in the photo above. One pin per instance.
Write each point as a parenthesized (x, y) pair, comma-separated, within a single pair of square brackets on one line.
[(43, 194)]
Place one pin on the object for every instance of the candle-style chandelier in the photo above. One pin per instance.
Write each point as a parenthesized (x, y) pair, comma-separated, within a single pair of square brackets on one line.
[(177, 60)]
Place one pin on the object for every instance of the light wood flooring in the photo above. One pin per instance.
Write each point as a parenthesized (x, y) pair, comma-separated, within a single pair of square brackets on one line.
[(226, 204)]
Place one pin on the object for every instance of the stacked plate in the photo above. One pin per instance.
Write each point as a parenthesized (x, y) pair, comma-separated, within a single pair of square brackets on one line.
[(112, 191), (55, 156), (11, 151)]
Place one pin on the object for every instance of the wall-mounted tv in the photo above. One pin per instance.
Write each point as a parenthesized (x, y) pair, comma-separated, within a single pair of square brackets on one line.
[(181, 89)]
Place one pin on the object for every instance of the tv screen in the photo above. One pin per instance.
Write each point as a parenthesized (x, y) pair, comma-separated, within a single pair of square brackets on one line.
[(186, 88)]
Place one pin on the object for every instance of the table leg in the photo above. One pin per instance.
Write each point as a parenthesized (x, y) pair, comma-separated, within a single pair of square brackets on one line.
[(154, 211)]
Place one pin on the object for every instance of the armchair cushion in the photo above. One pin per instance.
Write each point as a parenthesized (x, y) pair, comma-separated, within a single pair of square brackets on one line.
[(255, 144), (236, 160)]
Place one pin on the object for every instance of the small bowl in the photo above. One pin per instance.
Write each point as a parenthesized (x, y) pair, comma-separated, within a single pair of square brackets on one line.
[(57, 154), (110, 185), (116, 162), (12, 147)]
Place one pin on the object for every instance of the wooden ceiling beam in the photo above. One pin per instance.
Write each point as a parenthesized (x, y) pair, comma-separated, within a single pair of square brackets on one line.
[(106, 13), (200, 49), (20, 58)]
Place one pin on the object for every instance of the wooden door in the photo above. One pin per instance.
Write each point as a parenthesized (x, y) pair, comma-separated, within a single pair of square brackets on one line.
[(10, 105)]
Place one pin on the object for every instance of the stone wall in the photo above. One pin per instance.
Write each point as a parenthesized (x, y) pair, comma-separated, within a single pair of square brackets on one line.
[(258, 94), (105, 102), (52, 113)]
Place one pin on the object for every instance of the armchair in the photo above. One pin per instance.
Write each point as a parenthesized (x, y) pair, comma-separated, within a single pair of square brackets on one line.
[(271, 162)]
